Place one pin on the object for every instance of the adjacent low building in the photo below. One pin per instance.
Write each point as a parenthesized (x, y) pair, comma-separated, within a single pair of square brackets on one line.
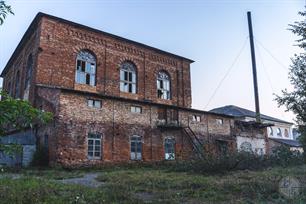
[(279, 132)]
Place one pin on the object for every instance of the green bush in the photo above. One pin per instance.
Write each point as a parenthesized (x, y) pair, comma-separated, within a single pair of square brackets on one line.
[(281, 156)]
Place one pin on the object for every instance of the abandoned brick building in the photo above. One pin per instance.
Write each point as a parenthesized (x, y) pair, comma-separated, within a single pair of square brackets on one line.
[(113, 99)]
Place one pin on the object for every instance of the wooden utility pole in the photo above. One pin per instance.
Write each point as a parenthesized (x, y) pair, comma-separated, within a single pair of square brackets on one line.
[(254, 68)]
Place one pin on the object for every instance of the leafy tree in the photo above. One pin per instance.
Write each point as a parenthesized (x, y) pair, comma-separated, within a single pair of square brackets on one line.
[(4, 11), (295, 100), (16, 114)]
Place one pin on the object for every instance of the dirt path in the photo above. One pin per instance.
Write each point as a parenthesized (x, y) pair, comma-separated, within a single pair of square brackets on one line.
[(88, 180)]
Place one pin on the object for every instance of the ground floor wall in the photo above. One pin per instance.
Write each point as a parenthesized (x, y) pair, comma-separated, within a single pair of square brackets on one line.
[(127, 131)]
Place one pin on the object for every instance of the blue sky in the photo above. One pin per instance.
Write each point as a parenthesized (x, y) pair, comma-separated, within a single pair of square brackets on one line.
[(211, 32)]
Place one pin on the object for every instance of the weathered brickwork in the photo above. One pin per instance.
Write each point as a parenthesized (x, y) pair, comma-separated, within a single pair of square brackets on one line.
[(116, 123), (55, 44)]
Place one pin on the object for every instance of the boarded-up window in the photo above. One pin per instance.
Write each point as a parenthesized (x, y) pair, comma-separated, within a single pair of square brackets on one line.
[(162, 114), (173, 115)]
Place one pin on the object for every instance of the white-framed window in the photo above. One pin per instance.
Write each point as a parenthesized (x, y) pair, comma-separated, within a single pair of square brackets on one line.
[(279, 132), (86, 68), (169, 148), (128, 77), (196, 118), (136, 147), (136, 109), (94, 146), (219, 121), (270, 131), (163, 85), (94, 103)]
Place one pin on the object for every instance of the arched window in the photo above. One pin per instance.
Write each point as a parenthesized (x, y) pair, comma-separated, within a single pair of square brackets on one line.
[(28, 77), (286, 133), (270, 131), (279, 132), (128, 77), (29, 70), (17, 85), (246, 147), (86, 68), (163, 85)]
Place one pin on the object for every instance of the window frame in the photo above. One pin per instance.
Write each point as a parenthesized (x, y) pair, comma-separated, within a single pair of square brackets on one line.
[(89, 60), (279, 132), (219, 121), (270, 131), (164, 79), (135, 155), (135, 108), (128, 77), (169, 150), (94, 101), (286, 133), (196, 118), (94, 137)]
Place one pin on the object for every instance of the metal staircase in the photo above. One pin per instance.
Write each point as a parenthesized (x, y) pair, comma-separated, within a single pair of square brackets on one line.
[(197, 145)]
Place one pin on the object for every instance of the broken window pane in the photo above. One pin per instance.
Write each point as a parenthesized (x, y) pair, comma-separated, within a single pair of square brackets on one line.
[(169, 149), (85, 68), (128, 77), (163, 86)]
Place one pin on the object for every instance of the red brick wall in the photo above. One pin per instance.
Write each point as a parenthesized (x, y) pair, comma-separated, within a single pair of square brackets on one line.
[(61, 43), (55, 46), (117, 124), (19, 64)]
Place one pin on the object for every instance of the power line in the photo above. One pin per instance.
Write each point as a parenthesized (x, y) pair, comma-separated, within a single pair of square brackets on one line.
[(264, 68), (227, 72), (279, 62)]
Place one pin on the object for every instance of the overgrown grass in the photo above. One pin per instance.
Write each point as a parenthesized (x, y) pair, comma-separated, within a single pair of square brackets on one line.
[(137, 184), (179, 187), (33, 190)]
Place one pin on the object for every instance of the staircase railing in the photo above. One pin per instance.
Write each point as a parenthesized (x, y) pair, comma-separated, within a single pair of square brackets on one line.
[(195, 141)]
